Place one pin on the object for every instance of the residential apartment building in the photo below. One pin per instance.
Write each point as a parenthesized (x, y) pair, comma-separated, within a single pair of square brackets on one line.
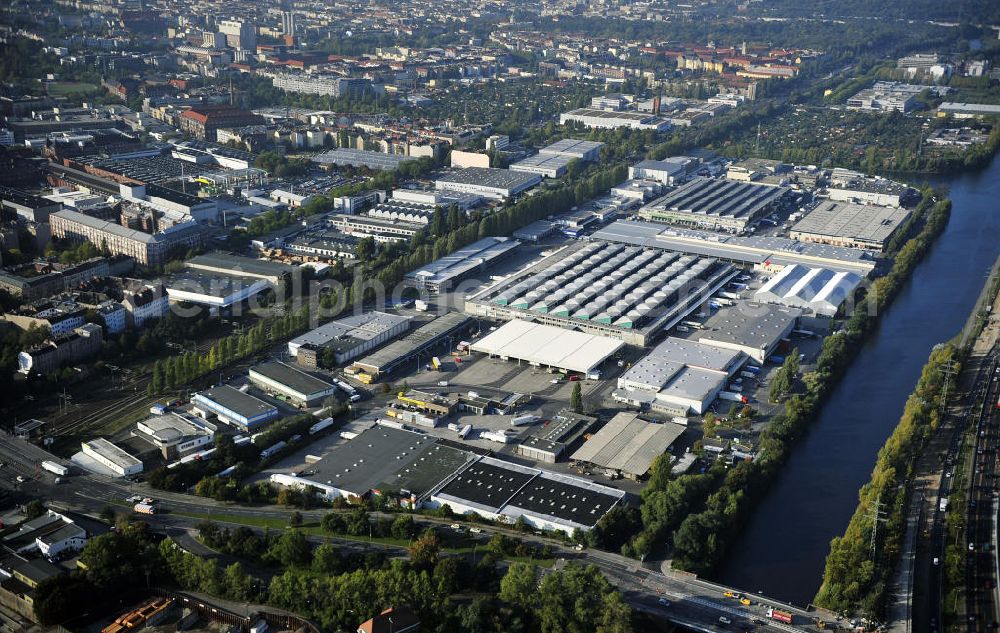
[(83, 342)]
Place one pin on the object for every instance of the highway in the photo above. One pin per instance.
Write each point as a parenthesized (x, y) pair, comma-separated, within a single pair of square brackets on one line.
[(693, 603), (981, 564)]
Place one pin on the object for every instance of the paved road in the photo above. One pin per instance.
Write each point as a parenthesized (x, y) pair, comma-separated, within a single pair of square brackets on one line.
[(694, 603)]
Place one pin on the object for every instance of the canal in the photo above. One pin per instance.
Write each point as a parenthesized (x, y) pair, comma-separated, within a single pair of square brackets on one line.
[(783, 548)]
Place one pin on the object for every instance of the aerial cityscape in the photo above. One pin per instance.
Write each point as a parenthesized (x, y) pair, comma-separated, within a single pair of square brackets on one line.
[(613, 316)]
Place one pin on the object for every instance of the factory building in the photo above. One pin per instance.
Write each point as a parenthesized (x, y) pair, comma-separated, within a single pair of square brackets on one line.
[(754, 329), (678, 377), (238, 266), (176, 434), (215, 291), (610, 119), (715, 204), (497, 184), (111, 457), (286, 382), (546, 165), (379, 229), (574, 148), (548, 442), (395, 463), (627, 446), (444, 273), (622, 292), (233, 407), (820, 291), (543, 345), (850, 186), (349, 337)]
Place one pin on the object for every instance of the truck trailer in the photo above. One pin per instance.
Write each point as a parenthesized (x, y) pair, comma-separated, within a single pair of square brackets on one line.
[(144, 508), (54, 468), (780, 616), (733, 397)]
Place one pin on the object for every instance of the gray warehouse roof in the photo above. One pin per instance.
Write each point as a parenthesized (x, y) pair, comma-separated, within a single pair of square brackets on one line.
[(489, 177), (388, 357), (864, 222), (238, 265), (718, 198), (571, 147), (237, 401), (359, 327), (749, 325), (384, 455), (628, 443), (290, 377), (463, 260)]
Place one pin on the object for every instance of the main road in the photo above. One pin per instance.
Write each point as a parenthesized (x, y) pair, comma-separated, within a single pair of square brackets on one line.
[(681, 598)]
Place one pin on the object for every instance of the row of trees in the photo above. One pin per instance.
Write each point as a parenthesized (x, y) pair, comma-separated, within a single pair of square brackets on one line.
[(854, 580), (174, 371), (784, 378)]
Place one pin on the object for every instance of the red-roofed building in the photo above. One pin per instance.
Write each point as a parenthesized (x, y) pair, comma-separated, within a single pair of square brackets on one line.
[(392, 620), (203, 121)]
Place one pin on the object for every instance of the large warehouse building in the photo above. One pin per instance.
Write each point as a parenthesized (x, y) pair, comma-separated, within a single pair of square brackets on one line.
[(503, 491), (627, 445), (234, 407), (752, 251), (417, 470), (443, 273), (678, 376), (715, 204), (349, 337), (623, 292), (850, 225), (498, 184), (390, 460), (543, 345), (817, 290), (613, 119), (300, 388), (756, 330)]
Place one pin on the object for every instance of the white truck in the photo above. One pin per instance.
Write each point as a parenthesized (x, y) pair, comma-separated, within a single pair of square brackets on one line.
[(55, 469), (144, 508), (732, 397)]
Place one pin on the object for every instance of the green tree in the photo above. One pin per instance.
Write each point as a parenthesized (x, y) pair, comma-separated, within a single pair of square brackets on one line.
[(290, 549), (295, 520), (576, 398), (425, 550), (519, 585)]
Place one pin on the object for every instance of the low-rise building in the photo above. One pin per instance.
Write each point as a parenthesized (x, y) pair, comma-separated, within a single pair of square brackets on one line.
[(627, 446), (233, 407), (851, 225), (176, 434), (111, 457), (285, 381), (498, 184)]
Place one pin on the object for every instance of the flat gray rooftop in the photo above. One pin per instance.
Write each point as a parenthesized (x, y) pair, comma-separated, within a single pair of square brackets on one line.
[(379, 454), (290, 377), (236, 401), (389, 356), (749, 325), (857, 221)]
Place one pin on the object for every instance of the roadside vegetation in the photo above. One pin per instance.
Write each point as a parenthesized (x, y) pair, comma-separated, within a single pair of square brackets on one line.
[(338, 588), (856, 579)]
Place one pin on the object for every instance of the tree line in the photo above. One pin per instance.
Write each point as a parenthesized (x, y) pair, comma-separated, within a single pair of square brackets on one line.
[(175, 371), (854, 580)]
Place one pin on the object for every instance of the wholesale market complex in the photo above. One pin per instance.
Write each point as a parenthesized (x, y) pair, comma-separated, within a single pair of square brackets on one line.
[(672, 297)]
